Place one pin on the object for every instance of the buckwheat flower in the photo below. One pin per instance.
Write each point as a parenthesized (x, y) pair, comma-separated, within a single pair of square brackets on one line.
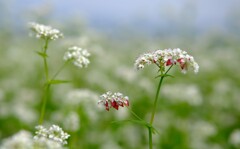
[(41, 131), (78, 55), (45, 32), (44, 143), (20, 140), (57, 134), (167, 57), (54, 133), (113, 100)]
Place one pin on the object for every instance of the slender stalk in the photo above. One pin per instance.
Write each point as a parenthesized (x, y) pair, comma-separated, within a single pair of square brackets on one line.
[(134, 114), (44, 103), (59, 70), (157, 94), (45, 59), (46, 89), (156, 99), (163, 75), (150, 137)]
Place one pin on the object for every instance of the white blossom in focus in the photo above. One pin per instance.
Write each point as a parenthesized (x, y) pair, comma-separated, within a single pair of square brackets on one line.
[(167, 57), (78, 55), (45, 32), (54, 133), (114, 100)]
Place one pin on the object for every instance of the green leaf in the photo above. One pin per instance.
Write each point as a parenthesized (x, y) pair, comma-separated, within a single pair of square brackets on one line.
[(58, 81), (167, 75), (44, 55)]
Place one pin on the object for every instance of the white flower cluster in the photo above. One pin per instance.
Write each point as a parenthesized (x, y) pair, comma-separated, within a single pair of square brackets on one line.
[(24, 140), (114, 100), (78, 55), (45, 32), (167, 57), (54, 133), (21, 140)]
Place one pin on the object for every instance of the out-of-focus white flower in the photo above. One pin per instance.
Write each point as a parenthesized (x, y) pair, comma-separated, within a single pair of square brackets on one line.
[(80, 96), (78, 55), (114, 100), (235, 138), (45, 32), (110, 145), (54, 133), (24, 113), (25, 140), (71, 122), (189, 93), (167, 57), (21, 140), (199, 132)]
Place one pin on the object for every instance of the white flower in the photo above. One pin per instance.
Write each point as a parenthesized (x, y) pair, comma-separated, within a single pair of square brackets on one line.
[(45, 143), (54, 133), (188, 93), (167, 57), (21, 140), (45, 32), (78, 55), (235, 138), (41, 131), (71, 122), (24, 140), (57, 134), (114, 100)]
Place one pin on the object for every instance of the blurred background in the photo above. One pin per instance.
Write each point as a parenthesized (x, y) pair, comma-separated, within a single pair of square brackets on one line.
[(195, 111)]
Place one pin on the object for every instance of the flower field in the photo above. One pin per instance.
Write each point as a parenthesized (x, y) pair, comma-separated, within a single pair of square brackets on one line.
[(81, 89)]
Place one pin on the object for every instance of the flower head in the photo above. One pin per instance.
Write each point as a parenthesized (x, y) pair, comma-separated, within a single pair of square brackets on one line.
[(78, 55), (45, 32), (20, 140), (54, 133), (167, 57), (114, 100)]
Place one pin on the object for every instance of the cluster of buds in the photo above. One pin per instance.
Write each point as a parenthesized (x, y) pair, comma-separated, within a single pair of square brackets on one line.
[(78, 55), (167, 57), (45, 32), (54, 133), (113, 100)]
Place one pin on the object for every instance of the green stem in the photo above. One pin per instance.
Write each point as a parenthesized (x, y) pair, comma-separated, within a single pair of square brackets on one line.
[(156, 99), (45, 59), (134, 114), (46, 90), (150, 137), (163, 75), (59, 70), (157, 94), (44, 103)]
